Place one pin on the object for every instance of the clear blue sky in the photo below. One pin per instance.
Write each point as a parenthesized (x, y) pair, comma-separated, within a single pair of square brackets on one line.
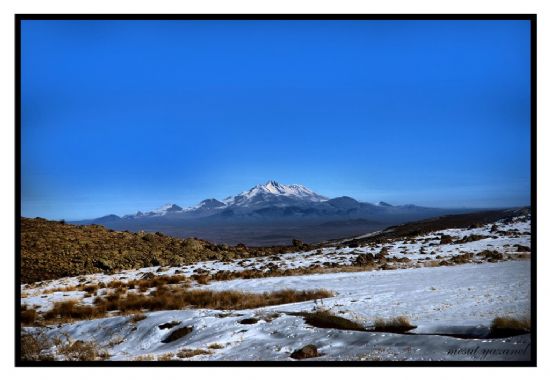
[(120, 116)]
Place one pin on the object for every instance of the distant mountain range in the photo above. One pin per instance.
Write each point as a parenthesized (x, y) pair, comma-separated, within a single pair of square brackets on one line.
[(270, 213)]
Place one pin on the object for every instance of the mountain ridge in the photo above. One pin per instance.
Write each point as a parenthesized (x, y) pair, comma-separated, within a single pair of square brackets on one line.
[(268, 195), (269, 214)]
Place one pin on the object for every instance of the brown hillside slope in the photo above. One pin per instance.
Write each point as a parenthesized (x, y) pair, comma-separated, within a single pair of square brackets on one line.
[(54, 249)]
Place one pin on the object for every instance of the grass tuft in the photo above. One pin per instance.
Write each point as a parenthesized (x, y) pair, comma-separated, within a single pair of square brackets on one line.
[(397, 325), (327, 320), (503, 327)]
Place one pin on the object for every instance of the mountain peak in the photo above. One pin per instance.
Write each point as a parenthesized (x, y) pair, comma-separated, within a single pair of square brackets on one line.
[(274, 189), (210, 203), (169, 207)]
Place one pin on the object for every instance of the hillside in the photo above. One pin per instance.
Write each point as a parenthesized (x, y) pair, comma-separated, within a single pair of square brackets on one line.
[(55, 249)]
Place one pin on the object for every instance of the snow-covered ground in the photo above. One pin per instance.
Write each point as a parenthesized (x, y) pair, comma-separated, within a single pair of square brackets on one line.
[(459, 299), (442, 300)]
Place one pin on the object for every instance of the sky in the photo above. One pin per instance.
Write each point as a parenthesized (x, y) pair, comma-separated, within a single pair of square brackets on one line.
[(120, 116)]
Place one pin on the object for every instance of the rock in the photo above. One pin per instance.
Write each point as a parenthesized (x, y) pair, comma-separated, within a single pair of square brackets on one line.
[(306, 352), (177, 334), (522, 248), (462, 259), (104, 264), (148, 276), (446, 239), (364, 259), (248, 321), (297, 243), (492, 256), (168, 325)]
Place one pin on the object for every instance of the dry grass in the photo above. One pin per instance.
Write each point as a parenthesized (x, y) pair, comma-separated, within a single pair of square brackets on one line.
[(507, 326), (399, 324), (28, 316), (67, 311), (327, 320), (33, 346), (82, 351), (277, 272), (431, 263), (70, 288), (202, 279), (144, 358), (165, 357), (137, 317), (188, 353), (215, 346), (145, 284), (174, 299), (165, 298), (90, 289)]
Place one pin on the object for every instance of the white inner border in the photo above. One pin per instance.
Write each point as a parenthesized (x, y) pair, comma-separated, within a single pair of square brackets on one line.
[(10, 7)]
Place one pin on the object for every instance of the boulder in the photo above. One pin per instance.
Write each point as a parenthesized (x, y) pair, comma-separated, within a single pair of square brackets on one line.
[(309, 351)]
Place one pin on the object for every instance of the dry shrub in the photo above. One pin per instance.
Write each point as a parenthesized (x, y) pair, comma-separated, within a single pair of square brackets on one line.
[(137, 317), (215, 346), (431, 263), (115, 284), (248, 274), (399, 324), (70, 288), (144, 284), (236, 300), (91, 289), (28, 316), (502, 327), (188, 353), (175, 299), (202, 279), (327, 320), (67, 311), (144, 358), (82, 351), (165, 298), (33, 345), (165, 357)]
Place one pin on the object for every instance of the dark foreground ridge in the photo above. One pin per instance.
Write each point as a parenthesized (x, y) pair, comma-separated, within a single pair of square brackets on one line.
[(51, 249), (471, 220)]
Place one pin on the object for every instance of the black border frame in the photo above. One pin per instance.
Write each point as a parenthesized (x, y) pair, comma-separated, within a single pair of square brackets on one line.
[(388, 17)]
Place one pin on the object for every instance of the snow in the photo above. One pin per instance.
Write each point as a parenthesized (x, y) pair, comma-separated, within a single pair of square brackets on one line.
[(460, 299), (274, 188), (466, 297)]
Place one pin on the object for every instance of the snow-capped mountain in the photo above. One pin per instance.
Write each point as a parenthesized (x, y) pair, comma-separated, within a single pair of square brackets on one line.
[(270, 194), (169, 208), (274, 192), (268, 214), (209, 204)]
